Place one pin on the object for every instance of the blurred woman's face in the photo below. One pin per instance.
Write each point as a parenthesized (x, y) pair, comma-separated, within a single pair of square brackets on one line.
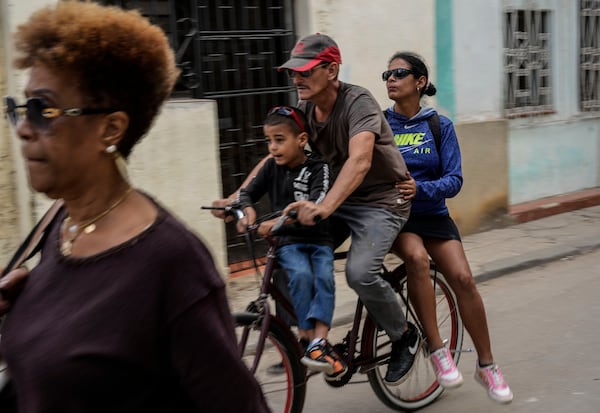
[(60, 153)]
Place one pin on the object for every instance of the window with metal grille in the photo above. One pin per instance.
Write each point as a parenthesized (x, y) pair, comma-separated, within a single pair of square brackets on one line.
[(527, 57), (228, 50), (589, 52)]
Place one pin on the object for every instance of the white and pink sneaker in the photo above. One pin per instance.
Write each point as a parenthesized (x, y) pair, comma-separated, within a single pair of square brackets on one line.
[(491, 378), (446, 372)]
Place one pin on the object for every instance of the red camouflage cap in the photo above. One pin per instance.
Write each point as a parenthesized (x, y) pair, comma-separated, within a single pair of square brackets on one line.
[(311, 50)]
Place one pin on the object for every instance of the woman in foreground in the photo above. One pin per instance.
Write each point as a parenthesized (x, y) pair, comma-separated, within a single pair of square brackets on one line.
[(125, 311)]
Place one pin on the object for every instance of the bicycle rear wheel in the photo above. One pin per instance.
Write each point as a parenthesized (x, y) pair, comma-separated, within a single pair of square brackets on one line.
[(421, 387), (284, 391)]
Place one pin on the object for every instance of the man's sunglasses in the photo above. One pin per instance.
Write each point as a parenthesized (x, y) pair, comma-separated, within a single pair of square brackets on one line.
[(40, 114), (305, 73), (289, 112), (399, 73)]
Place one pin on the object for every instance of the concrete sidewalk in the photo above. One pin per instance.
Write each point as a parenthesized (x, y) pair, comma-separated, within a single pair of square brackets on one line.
[(491, 254)]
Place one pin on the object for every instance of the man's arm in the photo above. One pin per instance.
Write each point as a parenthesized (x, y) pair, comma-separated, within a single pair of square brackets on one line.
[(352, 174), (360, 155), (232, 197), (250, 176)]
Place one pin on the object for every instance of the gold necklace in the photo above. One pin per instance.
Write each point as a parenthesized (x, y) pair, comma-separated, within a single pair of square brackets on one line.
[(71, 230)]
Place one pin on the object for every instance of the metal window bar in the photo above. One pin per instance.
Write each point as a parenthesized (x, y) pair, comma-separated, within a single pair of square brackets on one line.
[(228, 50), (589, 63), (528, 87)]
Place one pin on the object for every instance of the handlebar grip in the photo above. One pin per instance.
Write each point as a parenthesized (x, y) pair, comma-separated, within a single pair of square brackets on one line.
[(293, 214), (238, 213), (234, 210), (279, 224)]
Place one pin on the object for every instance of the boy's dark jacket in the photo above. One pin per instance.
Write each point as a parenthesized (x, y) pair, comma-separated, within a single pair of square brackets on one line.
[(309, 181)]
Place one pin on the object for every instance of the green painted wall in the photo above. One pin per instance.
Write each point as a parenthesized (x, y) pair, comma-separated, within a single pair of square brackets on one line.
[(444, 63)]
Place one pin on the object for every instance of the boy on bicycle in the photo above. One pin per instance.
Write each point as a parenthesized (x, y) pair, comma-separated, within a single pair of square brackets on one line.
[(305, 252)]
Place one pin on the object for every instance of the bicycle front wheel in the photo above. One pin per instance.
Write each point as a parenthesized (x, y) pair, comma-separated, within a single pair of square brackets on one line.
[(277, 369), (421, 387)]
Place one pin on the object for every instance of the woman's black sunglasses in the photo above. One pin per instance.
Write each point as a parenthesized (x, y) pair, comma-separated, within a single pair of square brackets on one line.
[(399, 73), (40, 114)]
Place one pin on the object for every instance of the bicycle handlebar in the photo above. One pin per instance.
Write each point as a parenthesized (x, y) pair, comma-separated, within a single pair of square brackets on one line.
[(281, 221), (229, 209), (238, 212)]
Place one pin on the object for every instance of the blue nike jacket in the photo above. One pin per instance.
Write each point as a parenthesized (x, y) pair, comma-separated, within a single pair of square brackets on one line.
[(438, 175)]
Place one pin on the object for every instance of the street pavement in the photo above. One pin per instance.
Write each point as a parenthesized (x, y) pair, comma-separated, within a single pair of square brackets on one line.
[(490, 253)]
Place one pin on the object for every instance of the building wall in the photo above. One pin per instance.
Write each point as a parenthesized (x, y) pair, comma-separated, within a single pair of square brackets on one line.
[(179, 164), (548, 154), (558, 153), (483, 200), (478, 64), (551, 159)]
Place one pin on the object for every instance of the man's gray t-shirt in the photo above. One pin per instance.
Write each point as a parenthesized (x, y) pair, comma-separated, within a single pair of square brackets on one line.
[(356, 110)]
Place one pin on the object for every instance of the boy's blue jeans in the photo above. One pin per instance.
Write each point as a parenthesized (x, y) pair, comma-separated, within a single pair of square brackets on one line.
[(312, 287)]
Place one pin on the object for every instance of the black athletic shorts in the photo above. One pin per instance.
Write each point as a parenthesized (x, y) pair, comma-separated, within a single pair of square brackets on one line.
[(432, 226)]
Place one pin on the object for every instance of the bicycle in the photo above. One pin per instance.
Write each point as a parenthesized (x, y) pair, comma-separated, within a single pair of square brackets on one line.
[(264, 339)]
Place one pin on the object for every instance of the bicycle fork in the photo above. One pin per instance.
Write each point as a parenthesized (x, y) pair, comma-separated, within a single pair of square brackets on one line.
[(257, 317)]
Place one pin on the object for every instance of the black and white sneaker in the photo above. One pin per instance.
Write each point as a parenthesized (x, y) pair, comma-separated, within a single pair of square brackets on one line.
[(403, 356)]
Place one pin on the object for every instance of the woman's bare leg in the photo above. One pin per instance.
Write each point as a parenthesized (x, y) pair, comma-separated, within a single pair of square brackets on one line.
[(451, 260), (410, 248)]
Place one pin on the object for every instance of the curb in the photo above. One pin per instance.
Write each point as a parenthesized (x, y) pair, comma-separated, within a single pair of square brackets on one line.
[(545, 207), (532, 259)]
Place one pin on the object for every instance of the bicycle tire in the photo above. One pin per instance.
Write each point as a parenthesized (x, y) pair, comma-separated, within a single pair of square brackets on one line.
[(284, 392), (421, 387)]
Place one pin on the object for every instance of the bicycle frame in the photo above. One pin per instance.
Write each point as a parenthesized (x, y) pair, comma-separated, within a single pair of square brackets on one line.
[(261, 314), (365, 348), (260, 310)]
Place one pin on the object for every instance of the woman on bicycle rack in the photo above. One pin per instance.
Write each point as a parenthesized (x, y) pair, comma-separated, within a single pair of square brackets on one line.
[(435, 165), (304, 252)]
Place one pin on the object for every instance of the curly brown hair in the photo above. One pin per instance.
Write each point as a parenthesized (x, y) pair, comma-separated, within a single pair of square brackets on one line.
[(118, 57)]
